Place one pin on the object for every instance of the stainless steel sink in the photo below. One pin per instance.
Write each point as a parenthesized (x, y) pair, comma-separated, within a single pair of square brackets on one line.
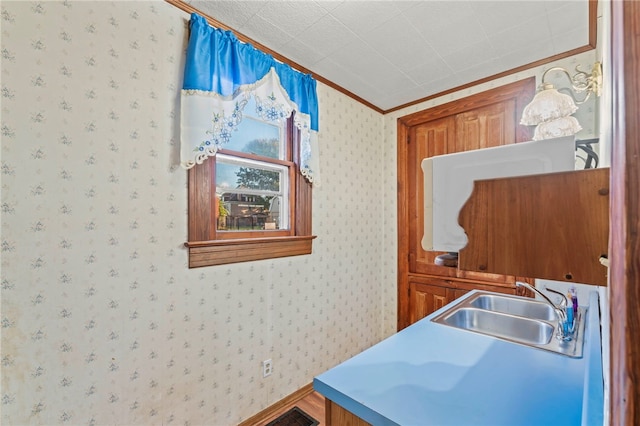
[(520, 306), (515, 319), (496, 324)]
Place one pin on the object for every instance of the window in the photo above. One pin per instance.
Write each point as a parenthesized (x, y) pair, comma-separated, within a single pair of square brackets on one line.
[(250, 201)]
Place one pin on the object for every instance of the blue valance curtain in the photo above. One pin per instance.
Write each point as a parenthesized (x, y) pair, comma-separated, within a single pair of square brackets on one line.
[(221, 75)]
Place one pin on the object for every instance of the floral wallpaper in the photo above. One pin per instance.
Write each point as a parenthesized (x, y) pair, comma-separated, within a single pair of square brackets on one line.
[(102, 321)]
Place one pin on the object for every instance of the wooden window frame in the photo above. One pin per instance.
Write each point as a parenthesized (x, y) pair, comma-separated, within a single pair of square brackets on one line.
[(207, 246)]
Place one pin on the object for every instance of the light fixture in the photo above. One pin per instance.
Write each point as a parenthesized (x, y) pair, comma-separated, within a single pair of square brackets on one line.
[(550, 111)]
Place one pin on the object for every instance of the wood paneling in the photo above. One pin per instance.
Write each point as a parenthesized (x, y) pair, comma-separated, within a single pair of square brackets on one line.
[(624, 248), (553, 226), (207, 253), (201, 206)]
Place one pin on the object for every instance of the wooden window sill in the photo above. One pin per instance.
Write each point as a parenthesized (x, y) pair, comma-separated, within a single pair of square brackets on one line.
[(220, 252)]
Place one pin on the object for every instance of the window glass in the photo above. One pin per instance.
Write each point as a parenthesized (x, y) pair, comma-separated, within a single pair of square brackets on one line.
[(242, 212), (258, 137), (235, 172), (253, 194)]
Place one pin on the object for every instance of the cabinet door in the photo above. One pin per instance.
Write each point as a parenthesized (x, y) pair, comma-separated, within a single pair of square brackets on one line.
[(482, 127), (426, 298), (335, 415), (560, 222), (428, 140)]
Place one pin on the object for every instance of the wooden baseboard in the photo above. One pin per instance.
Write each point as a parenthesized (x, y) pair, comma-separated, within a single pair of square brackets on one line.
[(272, 409)]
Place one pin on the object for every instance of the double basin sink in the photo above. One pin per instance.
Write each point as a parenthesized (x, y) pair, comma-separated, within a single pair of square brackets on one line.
[(516, 319)]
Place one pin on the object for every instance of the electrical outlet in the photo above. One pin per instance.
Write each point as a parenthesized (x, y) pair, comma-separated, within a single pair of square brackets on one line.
[(267, 368)]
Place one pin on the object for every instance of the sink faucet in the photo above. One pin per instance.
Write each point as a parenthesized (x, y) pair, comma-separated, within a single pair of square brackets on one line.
[(564, 328)]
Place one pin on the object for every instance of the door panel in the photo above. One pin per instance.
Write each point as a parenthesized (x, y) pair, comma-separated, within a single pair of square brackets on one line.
[(425, 299), (431, 139), (485, 127)]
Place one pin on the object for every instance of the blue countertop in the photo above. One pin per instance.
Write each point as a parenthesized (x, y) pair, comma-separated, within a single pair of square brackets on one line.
[(432, 374)]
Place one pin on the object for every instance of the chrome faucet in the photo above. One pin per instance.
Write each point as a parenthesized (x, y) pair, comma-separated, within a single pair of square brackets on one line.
[(564, 329)]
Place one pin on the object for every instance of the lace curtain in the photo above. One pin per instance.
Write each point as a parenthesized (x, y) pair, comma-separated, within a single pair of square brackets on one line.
[(221, 75)]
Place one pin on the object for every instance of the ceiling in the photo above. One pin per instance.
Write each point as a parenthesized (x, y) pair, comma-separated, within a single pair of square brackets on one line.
[(394, 53)]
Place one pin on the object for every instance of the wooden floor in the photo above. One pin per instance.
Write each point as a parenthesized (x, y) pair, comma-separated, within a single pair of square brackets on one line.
[(312, 404)]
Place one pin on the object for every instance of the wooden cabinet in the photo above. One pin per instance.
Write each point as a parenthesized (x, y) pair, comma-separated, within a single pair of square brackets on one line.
[(483, 120), (427, 298), (335, 415), (553, 226)]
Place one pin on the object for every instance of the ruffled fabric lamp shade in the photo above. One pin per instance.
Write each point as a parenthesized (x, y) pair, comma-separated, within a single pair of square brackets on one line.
[(550, 111), (563, 126)]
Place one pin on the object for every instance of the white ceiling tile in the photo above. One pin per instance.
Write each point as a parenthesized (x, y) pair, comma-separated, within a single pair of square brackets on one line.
[(446, 32), (361, 19), (351, 81), (527, 33), (329, 5), (480, 70), (230, 13), (292, 17), (441, 85), (566, 19), (404, 5), (429, 72), (364, 60), (390, 80), (421, 16), (570, 40), (401, 97), (497, 16), (552, 6), (302, 54), (438, 14), (448, 40), (327, 68), (470, 55), (397, 37), (268, 34), (527, 55), (326, 35)]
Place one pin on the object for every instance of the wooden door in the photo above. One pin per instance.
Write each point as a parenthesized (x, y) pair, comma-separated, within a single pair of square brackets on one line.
[(433, 138), (483, 120), (482, 127)]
